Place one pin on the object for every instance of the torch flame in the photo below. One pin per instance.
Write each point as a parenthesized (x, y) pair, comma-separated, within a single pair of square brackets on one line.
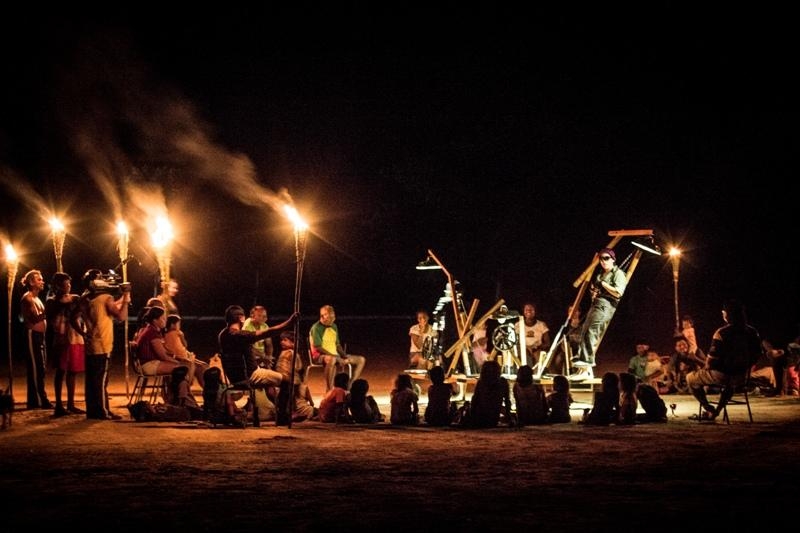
[(59, 234), (161, 237), (294, 216), (12, 261)]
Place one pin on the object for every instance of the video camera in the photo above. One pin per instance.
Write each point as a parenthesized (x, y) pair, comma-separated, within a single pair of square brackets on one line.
[(108, 283)]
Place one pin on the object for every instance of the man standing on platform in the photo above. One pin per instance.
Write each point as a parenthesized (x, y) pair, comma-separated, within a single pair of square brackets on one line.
[(607, 289)]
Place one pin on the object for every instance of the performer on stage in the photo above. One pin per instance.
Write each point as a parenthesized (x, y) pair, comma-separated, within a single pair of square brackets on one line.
[(607, 289)]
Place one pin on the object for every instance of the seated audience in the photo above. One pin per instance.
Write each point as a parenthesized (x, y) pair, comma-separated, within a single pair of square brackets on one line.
[(529, 398), (440, 410)]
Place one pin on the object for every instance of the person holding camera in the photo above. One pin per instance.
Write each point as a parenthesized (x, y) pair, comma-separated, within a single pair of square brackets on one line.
[(99, 309)]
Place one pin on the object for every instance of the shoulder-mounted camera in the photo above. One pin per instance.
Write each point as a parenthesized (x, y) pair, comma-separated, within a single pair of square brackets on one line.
[(98, 282)]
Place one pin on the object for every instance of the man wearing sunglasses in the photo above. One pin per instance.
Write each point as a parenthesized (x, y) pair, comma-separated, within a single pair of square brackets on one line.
[(606, 288)]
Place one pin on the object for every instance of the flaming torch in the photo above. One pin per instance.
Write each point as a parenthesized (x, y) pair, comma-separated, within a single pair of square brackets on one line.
[(300, 234), (162, 242), (12, 262), (59, 234), (122, 248), (675, 258)]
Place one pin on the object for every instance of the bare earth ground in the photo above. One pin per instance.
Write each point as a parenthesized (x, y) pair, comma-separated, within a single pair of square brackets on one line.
[(126, 475)]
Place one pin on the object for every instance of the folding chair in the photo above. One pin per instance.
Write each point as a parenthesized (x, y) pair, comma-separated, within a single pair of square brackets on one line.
[(311, 364), (726, 397), (235, 369), (151, 389)]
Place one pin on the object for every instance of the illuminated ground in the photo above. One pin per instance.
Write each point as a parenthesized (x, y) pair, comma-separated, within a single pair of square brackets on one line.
[(127, 475)]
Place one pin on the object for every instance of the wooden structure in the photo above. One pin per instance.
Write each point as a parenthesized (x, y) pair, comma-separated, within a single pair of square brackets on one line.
[(582, 283)]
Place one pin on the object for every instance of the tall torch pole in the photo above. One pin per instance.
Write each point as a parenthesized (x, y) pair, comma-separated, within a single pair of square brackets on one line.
[(122, 248), (12, 262), (162, 237), (59, 234), (675, 258), (300, 234)]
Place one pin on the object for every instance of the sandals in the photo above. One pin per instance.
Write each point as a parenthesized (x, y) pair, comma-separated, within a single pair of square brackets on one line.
[(709, 414)]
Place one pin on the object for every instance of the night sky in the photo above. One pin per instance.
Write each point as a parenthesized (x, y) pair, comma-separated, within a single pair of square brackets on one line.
[(509, 143)]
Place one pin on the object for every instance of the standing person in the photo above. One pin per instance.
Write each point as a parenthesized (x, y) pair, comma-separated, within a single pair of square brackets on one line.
[(537, 334), (66, 344), (35, 321), (169, 291), (263, 349), (99, 310), (734, 348), (607, 289), (326, 347), (687, 331), (418, 333)]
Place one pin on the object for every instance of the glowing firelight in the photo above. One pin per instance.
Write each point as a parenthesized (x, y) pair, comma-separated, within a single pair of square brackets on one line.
[(59, 234), (294, 216), (162, 239)]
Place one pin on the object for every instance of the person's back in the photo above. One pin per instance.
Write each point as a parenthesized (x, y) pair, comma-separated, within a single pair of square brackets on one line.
[(490, 396), (734, 349), (655, 410), (529, 398), (404, 402), (559, 401), (605, 407), (362, 407), (439, 411), (628, 399), (333, 407)]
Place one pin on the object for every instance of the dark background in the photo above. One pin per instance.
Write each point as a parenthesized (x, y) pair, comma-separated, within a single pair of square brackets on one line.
[(508, 142)]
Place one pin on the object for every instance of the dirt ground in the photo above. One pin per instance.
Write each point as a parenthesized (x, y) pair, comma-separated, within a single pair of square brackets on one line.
[(126, 475)]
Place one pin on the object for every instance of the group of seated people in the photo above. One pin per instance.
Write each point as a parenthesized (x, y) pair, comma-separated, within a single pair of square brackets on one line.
[(246, 354)]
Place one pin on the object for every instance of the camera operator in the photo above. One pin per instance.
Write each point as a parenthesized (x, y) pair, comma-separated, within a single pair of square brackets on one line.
[(99, 309)]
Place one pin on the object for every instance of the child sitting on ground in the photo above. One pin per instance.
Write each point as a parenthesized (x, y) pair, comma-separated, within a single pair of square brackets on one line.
[(333, 407), (362, 407), (605, 409), (529, 398), (655, 410), (559, 401), (440, 410), (491, 400), (628, 400), (404, 402)]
